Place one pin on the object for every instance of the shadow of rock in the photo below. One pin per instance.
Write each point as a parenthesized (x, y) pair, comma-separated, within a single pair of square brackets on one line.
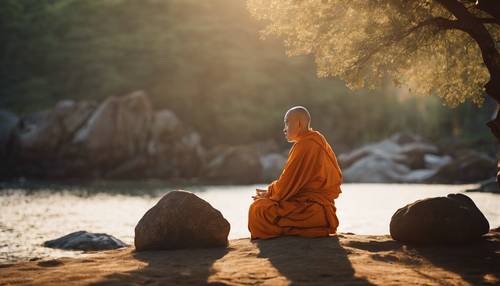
[(322, 261), (174, 267), (476, 263)]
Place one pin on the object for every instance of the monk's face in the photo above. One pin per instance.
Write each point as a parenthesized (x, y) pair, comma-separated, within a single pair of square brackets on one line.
[(292, 128)]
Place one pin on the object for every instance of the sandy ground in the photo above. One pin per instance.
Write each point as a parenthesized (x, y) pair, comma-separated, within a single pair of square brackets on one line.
[(345, 259)]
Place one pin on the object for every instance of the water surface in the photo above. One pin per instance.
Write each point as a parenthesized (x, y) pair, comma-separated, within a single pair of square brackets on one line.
[(30, 217)]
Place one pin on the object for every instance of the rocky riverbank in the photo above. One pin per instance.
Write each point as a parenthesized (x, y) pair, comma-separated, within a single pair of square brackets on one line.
[(345, 259), (123, 137)]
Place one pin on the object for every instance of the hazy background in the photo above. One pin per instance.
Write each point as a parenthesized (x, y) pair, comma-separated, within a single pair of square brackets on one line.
[(203, 60)]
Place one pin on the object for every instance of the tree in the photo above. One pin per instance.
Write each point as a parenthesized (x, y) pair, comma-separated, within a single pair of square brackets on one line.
[(443, 47)]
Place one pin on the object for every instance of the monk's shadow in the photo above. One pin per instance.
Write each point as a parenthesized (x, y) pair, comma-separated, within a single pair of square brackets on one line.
[(322, 261), (168, 267)]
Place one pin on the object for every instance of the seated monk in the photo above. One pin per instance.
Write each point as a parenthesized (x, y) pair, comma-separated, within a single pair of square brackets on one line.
[(300, 202)]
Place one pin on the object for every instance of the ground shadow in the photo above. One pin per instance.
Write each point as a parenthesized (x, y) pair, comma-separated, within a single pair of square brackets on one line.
[(477, 262), (322, 261), (173, 267)]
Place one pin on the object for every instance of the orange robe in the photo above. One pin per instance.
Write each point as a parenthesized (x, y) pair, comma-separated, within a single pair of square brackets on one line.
[(300, 202)]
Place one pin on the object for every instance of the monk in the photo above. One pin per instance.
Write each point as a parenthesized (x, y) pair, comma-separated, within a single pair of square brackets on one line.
[(301, 201)]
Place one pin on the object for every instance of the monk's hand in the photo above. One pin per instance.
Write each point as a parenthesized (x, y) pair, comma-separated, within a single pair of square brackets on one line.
[(260, 194)]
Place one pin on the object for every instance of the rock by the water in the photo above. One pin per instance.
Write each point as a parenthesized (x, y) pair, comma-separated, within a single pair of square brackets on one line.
[(487, 186), (441, 220), (391, 160), (272, 166), (87, 241), (234, 164), (181, 220), (117, 130), (174, 150), (46, 132), (375, 169), (467, 167), (405, 158), (120, 138), (41, 140)]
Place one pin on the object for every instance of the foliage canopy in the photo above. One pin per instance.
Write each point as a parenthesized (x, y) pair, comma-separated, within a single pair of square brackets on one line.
[(420, 44)]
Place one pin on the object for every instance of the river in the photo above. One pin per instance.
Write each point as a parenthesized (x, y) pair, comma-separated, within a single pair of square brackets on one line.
[(29, 217)]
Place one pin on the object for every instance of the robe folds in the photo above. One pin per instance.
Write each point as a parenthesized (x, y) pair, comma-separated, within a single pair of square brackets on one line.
[(301, 201)]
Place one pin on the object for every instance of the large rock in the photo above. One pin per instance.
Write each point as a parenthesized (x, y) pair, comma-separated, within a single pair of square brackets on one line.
[(467, 167), (435, 162), (440, 220), (181, 220), (414, 154), (45, 133), (272, 166), (174, 149), (405, 158), (233, 165), (375, 169), (41, 141), (265, 147), (116, 131), (390, 160), (386, 149), (87, 241), (487, 186)]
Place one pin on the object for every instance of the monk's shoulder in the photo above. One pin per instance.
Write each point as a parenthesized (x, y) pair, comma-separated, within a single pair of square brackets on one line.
[(324, 141), (306, 145)]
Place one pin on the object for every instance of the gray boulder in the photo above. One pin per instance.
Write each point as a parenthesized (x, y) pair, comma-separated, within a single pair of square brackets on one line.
[(441, 220), (487, 186), (46, 132), (87, 241), (174, 149), (181, 220), (272, 166), (400, 158), (375, 169), (233, 165), (435, 162), (468, 167), (116, 131), (405, 158), (42, 140)]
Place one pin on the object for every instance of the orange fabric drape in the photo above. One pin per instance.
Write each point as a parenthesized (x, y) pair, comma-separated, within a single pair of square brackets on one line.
[(301, 200)]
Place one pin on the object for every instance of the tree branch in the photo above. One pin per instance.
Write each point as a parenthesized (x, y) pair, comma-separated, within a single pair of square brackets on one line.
[(476, 29), (489, 20), (491, 7), (438, 22)]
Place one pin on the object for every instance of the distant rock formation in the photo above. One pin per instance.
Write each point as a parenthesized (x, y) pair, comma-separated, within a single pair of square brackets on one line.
[(405, 158), (87, 241), (181, 220), (441, 220), (117, 130), (122, 138), (233, 164)]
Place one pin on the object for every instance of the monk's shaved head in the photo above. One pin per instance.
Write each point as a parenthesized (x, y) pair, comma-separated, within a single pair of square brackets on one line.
[(297, 122), (299, 113)]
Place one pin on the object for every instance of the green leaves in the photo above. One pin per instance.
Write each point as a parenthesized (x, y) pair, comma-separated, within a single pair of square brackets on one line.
[(368, 41)]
